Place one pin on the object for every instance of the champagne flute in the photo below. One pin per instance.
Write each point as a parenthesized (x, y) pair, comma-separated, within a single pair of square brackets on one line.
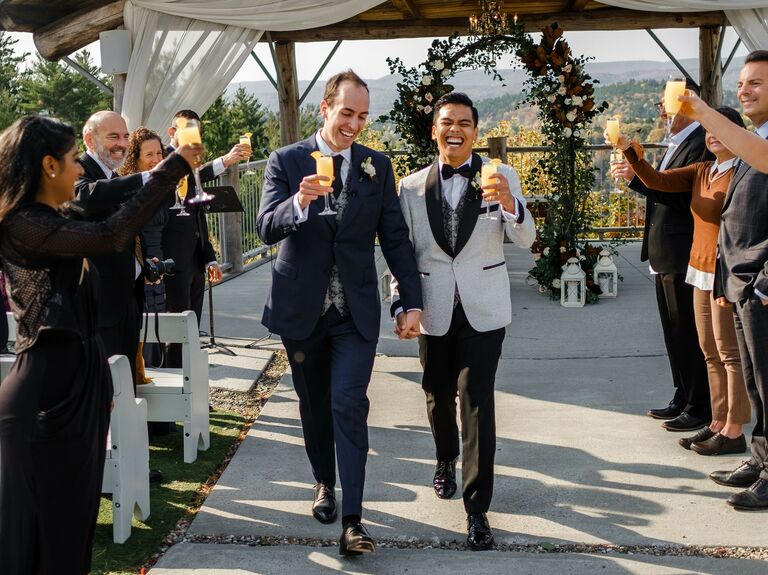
[(188, 132), (616, 158), (612, 132), (246, 139), (674, 88), (181, 193), (324, 167), (488, 178)]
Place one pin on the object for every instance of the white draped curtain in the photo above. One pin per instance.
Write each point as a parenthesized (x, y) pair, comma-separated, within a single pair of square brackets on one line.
[(185, 52), (748, 17)]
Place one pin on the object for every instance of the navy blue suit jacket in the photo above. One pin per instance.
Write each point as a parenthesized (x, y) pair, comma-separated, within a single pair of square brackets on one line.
[(301, 272)]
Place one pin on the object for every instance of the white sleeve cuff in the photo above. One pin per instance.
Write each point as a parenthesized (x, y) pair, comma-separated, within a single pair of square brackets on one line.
[(508, 217), (212, 263), (761, 295), (299, 215), (218, 167)]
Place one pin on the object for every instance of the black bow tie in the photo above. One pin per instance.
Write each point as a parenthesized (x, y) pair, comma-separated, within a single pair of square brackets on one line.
[(448, 171)]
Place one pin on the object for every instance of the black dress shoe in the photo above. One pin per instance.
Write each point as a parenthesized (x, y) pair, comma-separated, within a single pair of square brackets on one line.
[(479, 534), (669, 412), (355, 540), (324, 505), (753, 499), (719, 444), (701, 435), (444, 481), (743, 476), (155, 476), (684, 422)]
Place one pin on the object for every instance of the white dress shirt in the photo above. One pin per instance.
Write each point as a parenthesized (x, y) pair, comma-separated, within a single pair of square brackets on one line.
[(300, 215)]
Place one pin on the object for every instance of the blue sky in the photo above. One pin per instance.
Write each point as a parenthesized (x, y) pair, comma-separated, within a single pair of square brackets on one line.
[(368, 58)]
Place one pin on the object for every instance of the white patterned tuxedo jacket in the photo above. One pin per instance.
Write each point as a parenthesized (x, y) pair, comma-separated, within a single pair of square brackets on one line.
[(476, 268)]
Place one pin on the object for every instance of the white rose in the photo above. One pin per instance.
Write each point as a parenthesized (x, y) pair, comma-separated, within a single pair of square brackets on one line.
[(438, 65), (562, 91), (445, 73), (419, 108), (567, 101), (567, 132), (545, 252), (551, 99), (562, 249), (556, 283), (429, 97), (426, 79), (561, 79), (570, 116), (427, 109), (582, 258), (577, 100)]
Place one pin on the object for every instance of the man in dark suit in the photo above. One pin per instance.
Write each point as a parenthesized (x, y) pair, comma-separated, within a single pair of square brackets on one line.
[(186, 240), (99, 194), (667, 240), (324, 300), (742, 275)]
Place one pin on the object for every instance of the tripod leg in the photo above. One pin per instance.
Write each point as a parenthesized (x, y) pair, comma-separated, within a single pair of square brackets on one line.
[(212, 341)]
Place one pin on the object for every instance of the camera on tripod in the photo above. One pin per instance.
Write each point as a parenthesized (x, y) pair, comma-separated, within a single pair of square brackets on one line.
[(155, 270)]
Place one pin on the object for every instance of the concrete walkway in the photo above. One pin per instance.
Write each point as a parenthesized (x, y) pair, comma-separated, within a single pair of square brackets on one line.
[(577, 461)]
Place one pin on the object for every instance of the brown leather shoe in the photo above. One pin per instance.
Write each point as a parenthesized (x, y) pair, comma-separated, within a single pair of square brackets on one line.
[(701, 435), (719, 444)]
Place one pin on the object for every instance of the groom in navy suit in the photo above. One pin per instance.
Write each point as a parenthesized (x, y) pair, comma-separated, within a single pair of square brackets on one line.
[(324, 299)]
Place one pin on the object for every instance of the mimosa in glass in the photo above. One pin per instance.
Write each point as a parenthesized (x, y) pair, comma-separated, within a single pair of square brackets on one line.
[(488, 178), (673, 89), (188, 132), (324, 167)]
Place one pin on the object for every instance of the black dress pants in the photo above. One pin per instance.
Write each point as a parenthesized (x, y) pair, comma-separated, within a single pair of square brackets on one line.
[(463, 362), (184, 290), (689, 369)]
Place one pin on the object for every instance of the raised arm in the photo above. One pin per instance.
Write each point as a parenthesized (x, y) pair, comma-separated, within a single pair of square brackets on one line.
[(97, 196), (41, 235), (676, 180)]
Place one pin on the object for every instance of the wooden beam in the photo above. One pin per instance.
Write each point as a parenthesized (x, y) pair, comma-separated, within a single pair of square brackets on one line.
[(710, 65), (288, 92), (407, 7), (608, 19), (577, 5), (77, 30)]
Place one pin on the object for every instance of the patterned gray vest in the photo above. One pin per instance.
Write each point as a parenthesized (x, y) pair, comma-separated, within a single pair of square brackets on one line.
[(335, 293), (451, 221)]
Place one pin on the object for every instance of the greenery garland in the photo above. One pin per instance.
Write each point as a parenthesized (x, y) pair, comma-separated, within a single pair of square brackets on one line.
[(562, 91)]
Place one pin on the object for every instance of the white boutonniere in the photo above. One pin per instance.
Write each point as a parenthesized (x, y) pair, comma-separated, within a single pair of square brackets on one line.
[(368, 169), (477, 181)]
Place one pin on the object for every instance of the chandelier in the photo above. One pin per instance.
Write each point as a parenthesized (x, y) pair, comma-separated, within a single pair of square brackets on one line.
[(490, 21)]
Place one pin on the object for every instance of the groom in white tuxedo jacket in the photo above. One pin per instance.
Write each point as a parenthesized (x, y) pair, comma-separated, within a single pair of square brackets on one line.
[(465, 286)]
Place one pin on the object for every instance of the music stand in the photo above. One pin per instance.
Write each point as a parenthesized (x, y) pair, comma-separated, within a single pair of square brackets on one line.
[(224, 200)]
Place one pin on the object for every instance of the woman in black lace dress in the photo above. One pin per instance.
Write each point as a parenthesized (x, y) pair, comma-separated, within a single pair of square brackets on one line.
[(54, 404)]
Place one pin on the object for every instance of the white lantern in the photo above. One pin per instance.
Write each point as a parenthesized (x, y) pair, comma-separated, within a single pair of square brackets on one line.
[(606, 276), (573, 285)]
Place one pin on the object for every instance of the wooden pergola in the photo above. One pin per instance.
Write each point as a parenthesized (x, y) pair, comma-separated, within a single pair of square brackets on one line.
[(64, 26)]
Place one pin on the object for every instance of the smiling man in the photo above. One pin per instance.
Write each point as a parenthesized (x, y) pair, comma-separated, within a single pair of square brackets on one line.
[(460, 256), (324, 300)]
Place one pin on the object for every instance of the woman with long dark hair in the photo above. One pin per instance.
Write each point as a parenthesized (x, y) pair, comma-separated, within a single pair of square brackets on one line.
[(55, 402)]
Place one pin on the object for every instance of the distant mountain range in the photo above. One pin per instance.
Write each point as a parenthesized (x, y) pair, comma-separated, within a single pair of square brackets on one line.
[(480, 86)]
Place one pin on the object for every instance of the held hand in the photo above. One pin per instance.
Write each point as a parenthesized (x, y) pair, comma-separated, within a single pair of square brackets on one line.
[(400, 324), (722, 302), (192, 153), (693, 107), (214, 273), (411, 329), (158, 281), (622, 170), (499, 192), (313, 187), (238, 153)]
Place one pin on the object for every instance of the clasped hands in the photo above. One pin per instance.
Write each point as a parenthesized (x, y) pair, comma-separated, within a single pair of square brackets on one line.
[(407, 324)]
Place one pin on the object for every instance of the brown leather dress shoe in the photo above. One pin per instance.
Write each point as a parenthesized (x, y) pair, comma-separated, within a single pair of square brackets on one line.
[(743, 476), (701, 435), (719, 444), (753, 499)]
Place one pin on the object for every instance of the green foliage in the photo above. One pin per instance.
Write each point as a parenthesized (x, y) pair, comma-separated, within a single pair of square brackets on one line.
[(10, 78), (56, 89)]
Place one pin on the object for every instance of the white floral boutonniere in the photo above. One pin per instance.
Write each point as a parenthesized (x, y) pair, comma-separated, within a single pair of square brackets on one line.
[(368, 170), (475, 185)]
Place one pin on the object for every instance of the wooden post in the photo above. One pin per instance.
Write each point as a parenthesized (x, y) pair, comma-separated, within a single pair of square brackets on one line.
[(288, 92), (232, 225), (710, 65), (118, 90), (497, 148)]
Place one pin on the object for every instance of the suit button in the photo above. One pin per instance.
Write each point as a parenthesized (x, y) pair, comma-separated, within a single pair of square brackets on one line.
[(197, 234)]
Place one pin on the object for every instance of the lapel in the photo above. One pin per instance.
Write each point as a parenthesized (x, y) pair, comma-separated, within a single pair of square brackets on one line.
[(354, 193), (433, 195), (737, 176), (471, 207), (682, 147), (92, 169)]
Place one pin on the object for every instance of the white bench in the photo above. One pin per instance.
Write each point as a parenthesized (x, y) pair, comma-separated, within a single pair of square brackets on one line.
[(180, 394), (126, 466)]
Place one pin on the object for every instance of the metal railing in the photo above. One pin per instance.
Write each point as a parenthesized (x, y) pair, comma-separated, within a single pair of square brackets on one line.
[(620, 213)]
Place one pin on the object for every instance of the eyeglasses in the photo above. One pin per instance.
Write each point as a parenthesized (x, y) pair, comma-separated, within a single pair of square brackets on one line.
[(659, 105)]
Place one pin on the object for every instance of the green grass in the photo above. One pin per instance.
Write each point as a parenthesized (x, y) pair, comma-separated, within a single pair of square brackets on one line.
[(168, 500)]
